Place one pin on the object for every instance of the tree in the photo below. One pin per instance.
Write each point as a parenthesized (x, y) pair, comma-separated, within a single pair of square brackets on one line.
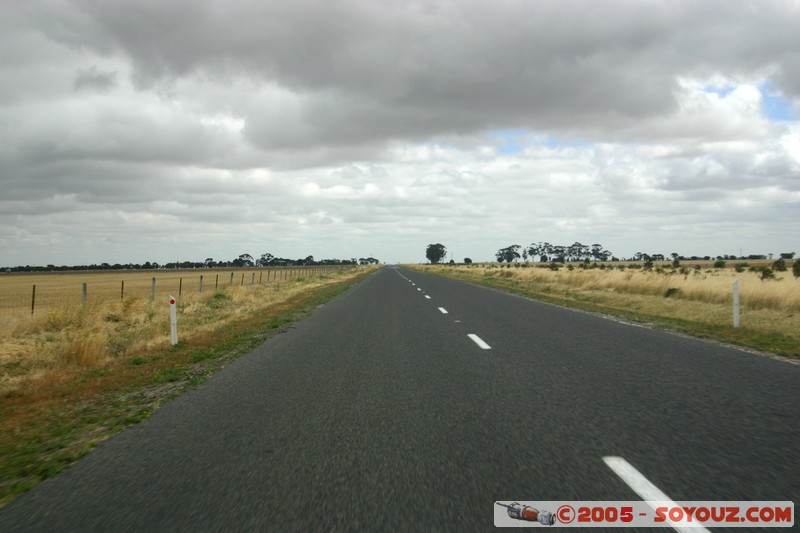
[(244, 260), (435, 253), (508, 254), (558, 254), (598, 254), (577, 252), (796, 268), (467, 261), (533, 250), (266, 259), (765, 273)]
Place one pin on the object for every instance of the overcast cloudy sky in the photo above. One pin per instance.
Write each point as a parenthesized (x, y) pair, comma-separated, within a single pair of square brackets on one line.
[(152, 130)]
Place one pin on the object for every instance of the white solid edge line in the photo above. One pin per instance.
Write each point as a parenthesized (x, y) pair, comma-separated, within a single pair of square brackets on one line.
[(480, 342), (443, 310), (645, 489)]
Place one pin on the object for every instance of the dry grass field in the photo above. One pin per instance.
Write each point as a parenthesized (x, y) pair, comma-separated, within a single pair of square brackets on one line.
[(57, 289), (694, 300), (122, 319)]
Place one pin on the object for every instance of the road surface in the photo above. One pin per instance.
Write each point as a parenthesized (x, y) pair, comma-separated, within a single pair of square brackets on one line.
[(415, 403)]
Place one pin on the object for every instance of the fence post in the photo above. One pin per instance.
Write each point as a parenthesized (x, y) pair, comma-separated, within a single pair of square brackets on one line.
[(201, 283), (83, 294), (121, 290), (259, 277), (33, 299), (736, 303), (253, 279), (180, 286), (173, 321), (216, 282), (153, 290), (231, 278)]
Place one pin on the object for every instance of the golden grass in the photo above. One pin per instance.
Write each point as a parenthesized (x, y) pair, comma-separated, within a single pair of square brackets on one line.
[(71, 334), (59, 289), (710, 286)]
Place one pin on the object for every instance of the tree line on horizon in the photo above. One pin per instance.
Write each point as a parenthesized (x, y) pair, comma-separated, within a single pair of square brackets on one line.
[(577, 252), (243, 261)]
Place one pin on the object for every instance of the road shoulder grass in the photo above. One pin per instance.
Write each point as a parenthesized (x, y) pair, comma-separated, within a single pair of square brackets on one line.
[(52, 423)]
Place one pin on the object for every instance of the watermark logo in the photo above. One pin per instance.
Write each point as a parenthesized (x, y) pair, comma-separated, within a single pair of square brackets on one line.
[(682, 514), (527, 513)]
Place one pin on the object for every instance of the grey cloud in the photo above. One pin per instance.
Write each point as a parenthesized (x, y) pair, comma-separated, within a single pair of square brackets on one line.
[(392, 70), (93, 78)]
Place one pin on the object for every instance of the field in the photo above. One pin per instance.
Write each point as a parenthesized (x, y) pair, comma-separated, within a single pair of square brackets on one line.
[(20, 294), (695, 299), (53, 326)]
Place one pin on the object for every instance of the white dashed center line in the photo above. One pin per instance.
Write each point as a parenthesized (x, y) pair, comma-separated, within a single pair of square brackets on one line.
[(480, 342), (428, 297), (443, 310)]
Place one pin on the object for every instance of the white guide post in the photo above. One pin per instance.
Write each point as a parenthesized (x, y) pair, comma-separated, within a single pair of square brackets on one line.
[(173, 321), (736, 303)]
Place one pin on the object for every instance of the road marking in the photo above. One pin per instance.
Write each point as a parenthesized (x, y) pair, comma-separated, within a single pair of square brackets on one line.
[(419, 289), (428, 297), (651, 494), (443, 310), (480, 342)]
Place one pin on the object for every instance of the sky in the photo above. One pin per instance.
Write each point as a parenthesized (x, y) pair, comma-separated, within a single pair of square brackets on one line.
[(144, 130)]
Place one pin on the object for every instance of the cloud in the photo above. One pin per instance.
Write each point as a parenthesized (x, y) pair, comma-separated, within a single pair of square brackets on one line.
[(93, 78)]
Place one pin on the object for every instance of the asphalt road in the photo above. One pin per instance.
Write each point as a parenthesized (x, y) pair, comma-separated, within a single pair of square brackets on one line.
[(380, 413)]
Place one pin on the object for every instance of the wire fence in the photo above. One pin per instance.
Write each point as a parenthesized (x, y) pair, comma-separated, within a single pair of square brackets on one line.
[(32, 294)]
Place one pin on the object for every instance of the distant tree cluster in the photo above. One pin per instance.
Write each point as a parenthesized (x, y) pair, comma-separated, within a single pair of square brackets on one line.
[(244, 260), (577, 252), (267, 259), (555, 253)]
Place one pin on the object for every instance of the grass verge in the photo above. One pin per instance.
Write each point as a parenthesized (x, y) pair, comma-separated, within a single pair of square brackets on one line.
[(773, 329), (58, 418)]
